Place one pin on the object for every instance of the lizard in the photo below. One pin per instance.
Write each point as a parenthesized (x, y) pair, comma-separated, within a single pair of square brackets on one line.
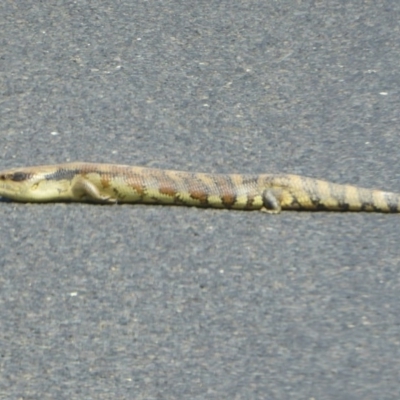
[(111, 184)]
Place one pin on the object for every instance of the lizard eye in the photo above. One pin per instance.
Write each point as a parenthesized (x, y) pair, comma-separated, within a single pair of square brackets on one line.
[(19, 176)]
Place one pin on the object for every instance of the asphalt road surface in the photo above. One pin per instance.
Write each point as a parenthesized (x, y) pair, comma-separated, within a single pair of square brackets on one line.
[(154, 302)]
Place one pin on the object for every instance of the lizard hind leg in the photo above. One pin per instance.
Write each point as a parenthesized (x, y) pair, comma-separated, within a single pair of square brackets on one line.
[(84, 190), (271, 203)]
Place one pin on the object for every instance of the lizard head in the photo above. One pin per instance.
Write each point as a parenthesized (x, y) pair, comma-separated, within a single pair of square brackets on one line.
[(30, 184)]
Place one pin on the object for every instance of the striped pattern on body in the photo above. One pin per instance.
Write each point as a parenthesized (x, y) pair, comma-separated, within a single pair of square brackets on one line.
[(108, 183)]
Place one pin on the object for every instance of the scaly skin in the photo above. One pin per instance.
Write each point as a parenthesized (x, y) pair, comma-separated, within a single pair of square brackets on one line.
[(107, 183)]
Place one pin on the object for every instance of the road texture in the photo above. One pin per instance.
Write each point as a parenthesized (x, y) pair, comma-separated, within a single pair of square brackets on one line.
[(153, 302)]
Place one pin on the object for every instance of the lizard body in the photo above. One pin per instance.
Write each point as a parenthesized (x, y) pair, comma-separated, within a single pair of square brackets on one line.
[(108, 183)]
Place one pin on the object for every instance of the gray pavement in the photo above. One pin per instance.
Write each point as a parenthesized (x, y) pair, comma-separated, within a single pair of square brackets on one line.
[(152, 302)]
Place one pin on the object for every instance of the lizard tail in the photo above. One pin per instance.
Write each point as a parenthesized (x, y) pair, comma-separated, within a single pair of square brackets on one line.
[(301, 193)]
